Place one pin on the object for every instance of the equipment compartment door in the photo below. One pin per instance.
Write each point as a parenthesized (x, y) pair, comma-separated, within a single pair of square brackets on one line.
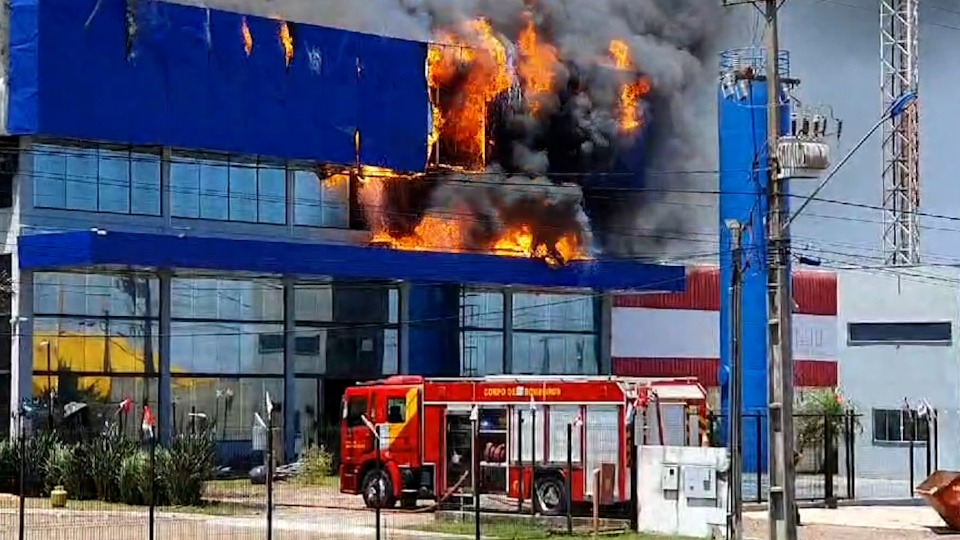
[(459, 448)]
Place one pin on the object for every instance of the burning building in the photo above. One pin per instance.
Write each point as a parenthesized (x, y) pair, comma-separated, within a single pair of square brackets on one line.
[(520, 140), (244, 202)]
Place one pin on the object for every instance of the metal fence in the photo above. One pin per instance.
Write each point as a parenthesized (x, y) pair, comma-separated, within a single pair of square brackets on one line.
[(836, 454), (117, 482)]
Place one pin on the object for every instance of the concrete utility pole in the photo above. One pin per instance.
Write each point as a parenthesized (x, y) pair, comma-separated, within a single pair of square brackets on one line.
[(735, 512), (781, 473)]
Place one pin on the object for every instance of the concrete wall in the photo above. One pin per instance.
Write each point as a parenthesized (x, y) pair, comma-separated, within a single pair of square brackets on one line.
[(882, 376)]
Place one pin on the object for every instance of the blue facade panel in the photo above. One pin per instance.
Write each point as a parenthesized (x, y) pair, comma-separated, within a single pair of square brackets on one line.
[(435, 343), (185, 80), (743, 184), (79, 249)]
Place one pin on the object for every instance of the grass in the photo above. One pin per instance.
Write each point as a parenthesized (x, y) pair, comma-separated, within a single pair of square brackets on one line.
[(505, 530)]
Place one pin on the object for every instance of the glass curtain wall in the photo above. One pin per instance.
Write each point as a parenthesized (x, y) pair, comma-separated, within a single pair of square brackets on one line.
[(549, 333), (95, 343), (224, 358)]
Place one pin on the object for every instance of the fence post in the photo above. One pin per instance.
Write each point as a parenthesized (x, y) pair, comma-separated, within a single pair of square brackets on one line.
[(22, 526), (849, 437), (569, 482), (927, 419), (759, 458), (936, 439), (634, 483), (152, 518), (911, 435), (379, 483), (520, 459), (533, 461), (475, 425), (270, 443), (828, 461)]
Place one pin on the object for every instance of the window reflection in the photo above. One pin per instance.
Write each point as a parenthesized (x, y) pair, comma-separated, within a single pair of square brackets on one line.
[(553, 312), (227, 348), (229, 403), (228, 189), (227, 299), (482, 353), (104, 179), (101, 345), (61, 293), (555, 354), (321, 203)]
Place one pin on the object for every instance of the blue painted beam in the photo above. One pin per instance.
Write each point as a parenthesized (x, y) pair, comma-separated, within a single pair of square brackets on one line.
[(81, 249)]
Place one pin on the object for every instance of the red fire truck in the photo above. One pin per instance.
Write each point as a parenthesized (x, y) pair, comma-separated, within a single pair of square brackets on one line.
[(431, 431)]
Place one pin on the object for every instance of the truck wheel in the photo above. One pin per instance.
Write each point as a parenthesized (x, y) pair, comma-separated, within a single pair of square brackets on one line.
[(551, 495), (377, 482)]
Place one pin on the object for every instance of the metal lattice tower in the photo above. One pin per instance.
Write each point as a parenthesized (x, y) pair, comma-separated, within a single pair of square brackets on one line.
[(901, 160)]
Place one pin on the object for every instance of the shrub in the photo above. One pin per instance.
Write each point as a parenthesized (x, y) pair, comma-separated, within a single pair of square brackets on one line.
[(63, 469), (134, 481), (317, 465), (37, 450), (186, 466), (9, 469), (103, 458)]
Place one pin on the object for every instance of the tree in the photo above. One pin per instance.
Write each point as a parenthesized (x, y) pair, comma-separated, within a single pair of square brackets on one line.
[(822, 414)]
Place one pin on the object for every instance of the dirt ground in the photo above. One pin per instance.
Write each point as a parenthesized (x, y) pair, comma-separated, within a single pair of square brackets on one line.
[(857, 523)]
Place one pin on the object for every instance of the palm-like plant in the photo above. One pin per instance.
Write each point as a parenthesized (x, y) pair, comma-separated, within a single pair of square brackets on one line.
[(824, 414)]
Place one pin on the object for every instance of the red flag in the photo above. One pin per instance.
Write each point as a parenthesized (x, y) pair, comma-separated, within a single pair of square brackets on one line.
[(148, 421), (126, 406)]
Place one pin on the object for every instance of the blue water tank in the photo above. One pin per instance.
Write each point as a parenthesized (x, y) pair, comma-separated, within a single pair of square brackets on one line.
[(742, 110)]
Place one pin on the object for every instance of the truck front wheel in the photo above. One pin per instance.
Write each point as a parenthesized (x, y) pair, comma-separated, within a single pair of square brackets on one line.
[(551, 495), (378, 489)]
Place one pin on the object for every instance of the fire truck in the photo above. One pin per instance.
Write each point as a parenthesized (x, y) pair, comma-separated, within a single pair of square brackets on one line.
[(408, 438)]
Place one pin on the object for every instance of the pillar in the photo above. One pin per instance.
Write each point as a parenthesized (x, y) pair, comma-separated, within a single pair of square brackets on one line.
[(21, 357), (605, 334), (289, 369), (165, 380), (403, 334), (508, 330)]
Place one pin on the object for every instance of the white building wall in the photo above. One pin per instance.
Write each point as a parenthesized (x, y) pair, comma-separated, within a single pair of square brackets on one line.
[(882, 376)]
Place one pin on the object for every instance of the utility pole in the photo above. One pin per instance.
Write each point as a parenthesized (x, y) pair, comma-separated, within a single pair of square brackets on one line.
[(780, 468), (735, 512)]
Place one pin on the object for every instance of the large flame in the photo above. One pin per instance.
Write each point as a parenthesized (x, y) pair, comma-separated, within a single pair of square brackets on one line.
[(630, 92), (463, 123), (538, 60)]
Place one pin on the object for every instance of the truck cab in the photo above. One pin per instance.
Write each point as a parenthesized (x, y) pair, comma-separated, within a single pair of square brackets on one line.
[(380, 441)]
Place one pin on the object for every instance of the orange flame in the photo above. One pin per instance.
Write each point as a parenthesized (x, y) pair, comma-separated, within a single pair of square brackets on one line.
[(286, 40), (537, 63), (631, 92), (247, 37), (474, 45)]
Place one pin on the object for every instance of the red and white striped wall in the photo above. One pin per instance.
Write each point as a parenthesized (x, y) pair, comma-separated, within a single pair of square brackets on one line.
[(678, 334)]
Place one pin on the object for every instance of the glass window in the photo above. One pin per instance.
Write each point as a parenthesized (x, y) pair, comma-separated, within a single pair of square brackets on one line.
[(226, 299), (899, 425), (81, 178), (272, 195), (114, 181), (396, 410), (553, 312), (900, 333), (482, 353), (243, 192), (482, 309), (554, 354), (310, 355), (224, 348), (356, 409), (103, 345), (313, 302), (101, 179), (321, 203), (214, 175), (145, 183), (228, 402), (95, 294), (50, 172), (184, 187), (102, 395)]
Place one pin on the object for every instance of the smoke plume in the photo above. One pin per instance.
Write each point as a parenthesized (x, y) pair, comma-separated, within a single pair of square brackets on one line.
[(561, 163)]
